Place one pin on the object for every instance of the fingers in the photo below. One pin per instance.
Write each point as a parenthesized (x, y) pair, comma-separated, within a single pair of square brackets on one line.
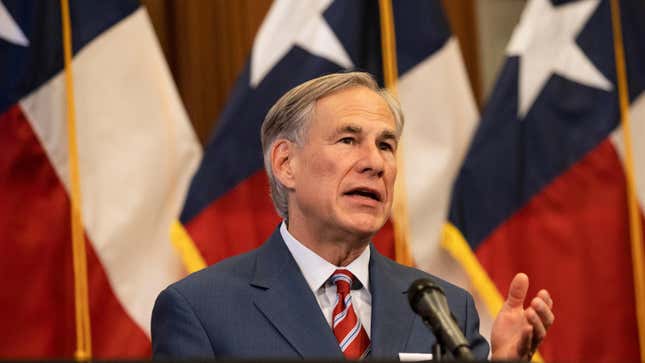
[(544, 295), (540, 316), (542, 307), (529, 326), (539, 330), (517, 291)]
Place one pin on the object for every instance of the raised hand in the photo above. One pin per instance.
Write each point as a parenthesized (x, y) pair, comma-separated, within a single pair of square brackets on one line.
[(517, 332)]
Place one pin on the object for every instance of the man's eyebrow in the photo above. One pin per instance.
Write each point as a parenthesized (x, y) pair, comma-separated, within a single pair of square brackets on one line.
[(388, 135), (356, 129), (352, 129)]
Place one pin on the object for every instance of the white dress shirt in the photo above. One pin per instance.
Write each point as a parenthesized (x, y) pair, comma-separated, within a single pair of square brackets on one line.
[(317, 272)]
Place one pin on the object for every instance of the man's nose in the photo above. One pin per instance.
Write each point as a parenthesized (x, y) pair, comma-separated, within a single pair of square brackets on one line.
[(371, 160)]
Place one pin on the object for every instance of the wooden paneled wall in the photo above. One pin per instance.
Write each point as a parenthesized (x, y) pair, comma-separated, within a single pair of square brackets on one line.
[(462, 18), (207, 42)]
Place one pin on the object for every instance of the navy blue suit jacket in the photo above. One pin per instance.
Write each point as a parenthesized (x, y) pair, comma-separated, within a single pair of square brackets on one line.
[(258, 305)]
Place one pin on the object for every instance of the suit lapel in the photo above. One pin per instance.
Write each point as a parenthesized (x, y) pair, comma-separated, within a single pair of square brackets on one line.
[(286, 300), (389, 336)]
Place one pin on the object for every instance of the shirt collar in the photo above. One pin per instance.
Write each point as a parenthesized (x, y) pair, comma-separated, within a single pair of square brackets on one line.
[(316, 269)]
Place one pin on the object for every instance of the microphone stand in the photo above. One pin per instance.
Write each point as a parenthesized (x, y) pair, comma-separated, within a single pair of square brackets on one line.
[(437, 352)]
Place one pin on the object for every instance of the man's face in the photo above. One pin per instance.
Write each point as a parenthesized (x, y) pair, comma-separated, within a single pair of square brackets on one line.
[(343, 175)]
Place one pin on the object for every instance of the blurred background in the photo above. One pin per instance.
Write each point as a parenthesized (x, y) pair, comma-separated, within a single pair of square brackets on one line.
[(206, 44), (131, 154)]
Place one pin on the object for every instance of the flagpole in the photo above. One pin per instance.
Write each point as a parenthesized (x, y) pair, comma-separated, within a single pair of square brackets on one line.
[(83, 333), (635, 226), (390, 76)]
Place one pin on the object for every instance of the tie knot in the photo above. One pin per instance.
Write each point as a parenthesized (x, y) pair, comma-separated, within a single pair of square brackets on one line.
[(343, 280)]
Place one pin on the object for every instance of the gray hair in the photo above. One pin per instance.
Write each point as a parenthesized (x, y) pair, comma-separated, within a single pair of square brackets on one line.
[(289, 117)]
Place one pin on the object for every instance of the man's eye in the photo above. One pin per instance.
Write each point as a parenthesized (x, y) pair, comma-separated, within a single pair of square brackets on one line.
[(386, 146), (347, 140)]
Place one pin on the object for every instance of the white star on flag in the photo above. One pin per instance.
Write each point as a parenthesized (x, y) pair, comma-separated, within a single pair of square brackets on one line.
[(545, 39), (290, 23), (9, 30)]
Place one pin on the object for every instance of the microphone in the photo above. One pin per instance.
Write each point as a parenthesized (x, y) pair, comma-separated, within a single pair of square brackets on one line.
[(428, 300)]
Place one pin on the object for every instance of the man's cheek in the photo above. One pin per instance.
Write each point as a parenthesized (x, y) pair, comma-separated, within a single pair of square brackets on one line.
[(326, 168)]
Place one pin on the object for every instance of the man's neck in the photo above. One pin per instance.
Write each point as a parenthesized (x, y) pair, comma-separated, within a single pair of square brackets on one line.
[(339, 249)]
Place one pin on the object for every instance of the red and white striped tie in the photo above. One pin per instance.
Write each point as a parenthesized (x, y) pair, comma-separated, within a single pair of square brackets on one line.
[(351, 336)]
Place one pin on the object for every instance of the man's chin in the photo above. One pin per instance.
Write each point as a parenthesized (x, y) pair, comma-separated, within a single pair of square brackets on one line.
[(366, 228)]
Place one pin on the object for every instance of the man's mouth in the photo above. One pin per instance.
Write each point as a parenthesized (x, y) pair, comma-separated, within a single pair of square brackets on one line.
[(366, 192)]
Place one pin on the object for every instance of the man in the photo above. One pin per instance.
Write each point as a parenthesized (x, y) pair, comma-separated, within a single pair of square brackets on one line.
[(317, 288)]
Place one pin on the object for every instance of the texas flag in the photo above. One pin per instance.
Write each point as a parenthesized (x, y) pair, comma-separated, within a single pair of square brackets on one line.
[(543, 189), (228, 209), (136, 153)]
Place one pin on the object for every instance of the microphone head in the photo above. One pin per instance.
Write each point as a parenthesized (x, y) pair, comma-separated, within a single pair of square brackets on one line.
[(417, 289), (428, 300)]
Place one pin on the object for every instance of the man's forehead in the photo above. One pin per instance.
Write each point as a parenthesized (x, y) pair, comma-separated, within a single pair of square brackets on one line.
[(357, 106)]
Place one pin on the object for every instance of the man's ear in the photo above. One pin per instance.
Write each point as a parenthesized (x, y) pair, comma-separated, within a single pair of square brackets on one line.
[(282, 153)]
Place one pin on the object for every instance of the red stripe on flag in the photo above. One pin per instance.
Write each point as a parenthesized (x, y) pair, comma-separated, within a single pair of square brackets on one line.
[(244, 218), (384, 240), (573, 239), (37, 296), (237, 222)]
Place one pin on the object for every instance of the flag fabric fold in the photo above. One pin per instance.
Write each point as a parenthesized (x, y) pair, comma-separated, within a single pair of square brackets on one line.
[(137, 153), (542, 189)]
